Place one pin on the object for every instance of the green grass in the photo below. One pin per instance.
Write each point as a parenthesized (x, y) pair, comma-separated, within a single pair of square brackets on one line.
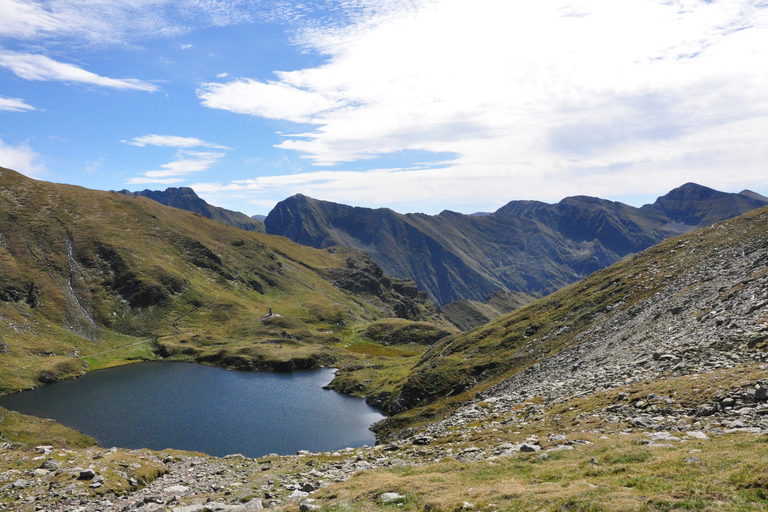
[(150, 281)]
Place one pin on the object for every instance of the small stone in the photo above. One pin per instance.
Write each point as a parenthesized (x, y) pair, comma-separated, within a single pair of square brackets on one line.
[(86, 474), (252, 506), (642, 422), (705, 410), (176, 489), (594, 461), (692, 460), (662, 436), (562, 447), (529, 448), (190, 508), (298, 495), (391, 496), (307, 506)]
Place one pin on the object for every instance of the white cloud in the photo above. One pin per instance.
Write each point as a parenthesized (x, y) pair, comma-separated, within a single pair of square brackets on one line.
[(187, 46), (186, 162), (271, 100), (14, 105), (39, 67), (108, 22), (536, 99), (171, 141), (24, 19), (21, 159), (117, 22)]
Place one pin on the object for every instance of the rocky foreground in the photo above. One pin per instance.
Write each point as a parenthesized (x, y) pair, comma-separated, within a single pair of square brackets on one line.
[(494, 428)]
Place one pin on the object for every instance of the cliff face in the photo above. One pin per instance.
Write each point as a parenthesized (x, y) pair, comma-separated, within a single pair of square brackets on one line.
[(525, 246)]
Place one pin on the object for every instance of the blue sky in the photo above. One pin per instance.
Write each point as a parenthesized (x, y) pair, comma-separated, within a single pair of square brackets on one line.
[(416, 105)]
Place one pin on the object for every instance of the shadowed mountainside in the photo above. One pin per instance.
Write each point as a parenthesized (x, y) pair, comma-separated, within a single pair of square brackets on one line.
[(525, 246), (186, 199)]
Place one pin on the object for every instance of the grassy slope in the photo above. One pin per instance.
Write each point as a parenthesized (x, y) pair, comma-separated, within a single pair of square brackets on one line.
[(144, 278)]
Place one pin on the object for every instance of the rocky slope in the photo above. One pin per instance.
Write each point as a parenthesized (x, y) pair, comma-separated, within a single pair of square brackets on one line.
[(186, 199), (525, 246), (690, 305)]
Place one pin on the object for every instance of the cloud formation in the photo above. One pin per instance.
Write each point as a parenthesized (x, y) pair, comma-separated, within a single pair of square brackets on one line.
[(22, 159), (117, 22), (186, 161), (40, 67), (172, 141), (109, 22), (552, 93), (14, 105)]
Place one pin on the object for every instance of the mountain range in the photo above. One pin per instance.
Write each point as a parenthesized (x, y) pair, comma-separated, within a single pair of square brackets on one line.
[(527, 248), (524, 246)]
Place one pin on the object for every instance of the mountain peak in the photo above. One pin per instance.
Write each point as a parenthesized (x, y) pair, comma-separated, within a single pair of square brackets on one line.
[(692, 191), (186, 198), (696, 205)]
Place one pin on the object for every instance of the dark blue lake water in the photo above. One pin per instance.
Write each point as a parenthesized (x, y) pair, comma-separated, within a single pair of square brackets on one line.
[(161, 405)]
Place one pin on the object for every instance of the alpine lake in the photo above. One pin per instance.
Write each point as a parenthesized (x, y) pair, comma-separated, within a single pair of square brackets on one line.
[(193, 407)]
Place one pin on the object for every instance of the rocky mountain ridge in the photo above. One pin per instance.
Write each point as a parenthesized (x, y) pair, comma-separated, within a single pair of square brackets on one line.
[(185, 198), (525, 246)]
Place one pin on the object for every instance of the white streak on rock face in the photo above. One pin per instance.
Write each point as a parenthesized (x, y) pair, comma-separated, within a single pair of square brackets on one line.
[(73, 273)]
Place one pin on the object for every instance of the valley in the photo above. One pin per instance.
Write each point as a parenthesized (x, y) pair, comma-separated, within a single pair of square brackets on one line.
[(642, 386)]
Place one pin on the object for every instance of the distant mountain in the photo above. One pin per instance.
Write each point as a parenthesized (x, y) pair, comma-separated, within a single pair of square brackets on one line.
[(185, 198), (525, 246)]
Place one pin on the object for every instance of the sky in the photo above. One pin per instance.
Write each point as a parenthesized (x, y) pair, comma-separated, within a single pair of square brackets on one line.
[(414, 105)]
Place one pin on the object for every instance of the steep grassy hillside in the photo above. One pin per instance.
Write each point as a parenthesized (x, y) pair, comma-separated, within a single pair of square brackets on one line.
[(525, 246), (90, 279)]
